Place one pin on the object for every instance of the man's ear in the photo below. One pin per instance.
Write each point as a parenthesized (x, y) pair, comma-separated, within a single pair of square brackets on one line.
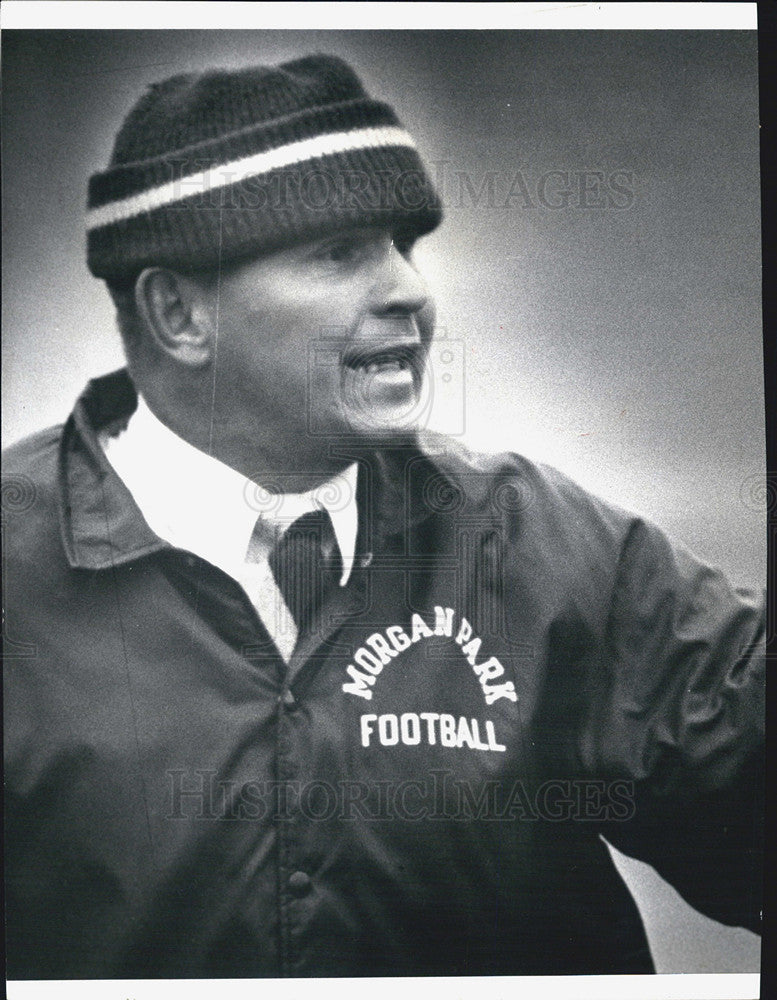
[(167, 302)]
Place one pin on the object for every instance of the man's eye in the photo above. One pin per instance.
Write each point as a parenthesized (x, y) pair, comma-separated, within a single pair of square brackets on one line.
[(342, 251)]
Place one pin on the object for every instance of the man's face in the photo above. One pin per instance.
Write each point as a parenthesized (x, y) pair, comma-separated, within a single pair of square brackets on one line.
[(321, 342)]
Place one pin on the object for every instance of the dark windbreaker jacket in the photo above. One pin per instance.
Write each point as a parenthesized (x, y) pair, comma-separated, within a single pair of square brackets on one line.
[(514, 670)]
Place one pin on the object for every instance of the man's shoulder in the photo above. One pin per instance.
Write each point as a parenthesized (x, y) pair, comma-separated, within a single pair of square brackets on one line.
[(33, 453), (544, 517), (509, 479), (29, 486), (30, 465)]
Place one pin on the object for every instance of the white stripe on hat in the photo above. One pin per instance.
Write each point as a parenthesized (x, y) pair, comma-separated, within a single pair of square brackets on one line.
[(222, 175)]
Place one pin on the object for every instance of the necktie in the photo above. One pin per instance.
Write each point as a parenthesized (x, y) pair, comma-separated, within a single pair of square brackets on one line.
[(306, 566)]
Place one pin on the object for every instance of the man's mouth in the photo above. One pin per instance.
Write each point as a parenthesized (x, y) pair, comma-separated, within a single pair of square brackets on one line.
[(385, 359), (382, 383)]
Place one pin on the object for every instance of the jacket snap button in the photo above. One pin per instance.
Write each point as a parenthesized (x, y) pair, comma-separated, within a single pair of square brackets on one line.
[(299, 883)]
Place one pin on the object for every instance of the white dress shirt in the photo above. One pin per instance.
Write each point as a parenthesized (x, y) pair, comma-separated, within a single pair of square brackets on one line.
[(199, 504)]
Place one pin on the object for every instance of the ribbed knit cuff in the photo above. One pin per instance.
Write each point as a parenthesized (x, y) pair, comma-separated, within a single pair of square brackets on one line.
[(259, 188)]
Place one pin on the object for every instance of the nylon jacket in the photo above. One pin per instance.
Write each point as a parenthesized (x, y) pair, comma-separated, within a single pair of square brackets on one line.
[(514, 670)]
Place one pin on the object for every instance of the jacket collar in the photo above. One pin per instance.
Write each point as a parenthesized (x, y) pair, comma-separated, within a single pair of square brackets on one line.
[(100, 522), (401, 489)]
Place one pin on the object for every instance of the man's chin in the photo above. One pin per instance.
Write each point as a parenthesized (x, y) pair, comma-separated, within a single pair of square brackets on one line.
[(384, 423), (375, 430), (383, 436)]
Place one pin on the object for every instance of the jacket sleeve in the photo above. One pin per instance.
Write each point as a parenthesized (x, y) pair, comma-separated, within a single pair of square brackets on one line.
[(683, 718)]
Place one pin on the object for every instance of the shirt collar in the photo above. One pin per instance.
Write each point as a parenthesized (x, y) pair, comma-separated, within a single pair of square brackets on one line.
[(197, 503), (401, 491)]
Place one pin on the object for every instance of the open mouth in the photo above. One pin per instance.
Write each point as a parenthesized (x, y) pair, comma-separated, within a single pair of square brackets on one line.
[(372, 360), (382, 383)]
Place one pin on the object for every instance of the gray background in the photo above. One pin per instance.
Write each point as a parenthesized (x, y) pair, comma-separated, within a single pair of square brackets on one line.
[(622, 345)]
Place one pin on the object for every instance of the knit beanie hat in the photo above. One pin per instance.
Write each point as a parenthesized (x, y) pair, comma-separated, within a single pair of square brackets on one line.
[(226, 164)]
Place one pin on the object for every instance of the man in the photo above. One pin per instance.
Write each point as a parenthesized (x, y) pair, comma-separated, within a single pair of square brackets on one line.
[(312, 694)]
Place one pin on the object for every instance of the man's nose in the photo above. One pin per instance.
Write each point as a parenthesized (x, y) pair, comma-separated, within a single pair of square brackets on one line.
[(399, 288)]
